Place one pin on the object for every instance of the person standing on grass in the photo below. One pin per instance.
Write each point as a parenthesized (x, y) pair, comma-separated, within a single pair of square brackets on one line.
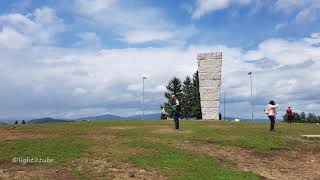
[(289, 115), (272, 113), (163, 113), (175, 106)]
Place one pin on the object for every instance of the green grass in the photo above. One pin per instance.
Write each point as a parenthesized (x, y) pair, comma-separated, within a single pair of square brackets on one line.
[(142, 144), (181, 164), (60, 150)]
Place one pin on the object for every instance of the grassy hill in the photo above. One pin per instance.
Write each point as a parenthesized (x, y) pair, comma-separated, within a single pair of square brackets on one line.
[(153, 150)]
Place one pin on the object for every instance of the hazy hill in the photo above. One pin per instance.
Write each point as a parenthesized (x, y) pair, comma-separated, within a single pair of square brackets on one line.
[(114, 117), (46, 120), (103, 117)]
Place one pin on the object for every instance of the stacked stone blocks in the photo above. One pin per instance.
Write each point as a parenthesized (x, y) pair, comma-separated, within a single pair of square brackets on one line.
[(209, 69)]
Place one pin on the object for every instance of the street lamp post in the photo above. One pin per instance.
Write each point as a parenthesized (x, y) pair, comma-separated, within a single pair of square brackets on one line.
[(224, 106), (250, 74), (143, 78)]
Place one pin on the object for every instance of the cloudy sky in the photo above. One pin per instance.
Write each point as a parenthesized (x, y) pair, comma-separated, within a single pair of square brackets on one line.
[(69, 59)]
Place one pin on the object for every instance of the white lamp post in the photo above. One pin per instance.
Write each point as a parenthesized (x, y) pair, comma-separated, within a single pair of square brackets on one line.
[(143, 78), (250, 74)]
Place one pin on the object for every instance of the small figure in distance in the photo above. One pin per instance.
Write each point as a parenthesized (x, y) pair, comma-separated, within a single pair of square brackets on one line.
[(271, 113), (163, 113), (23, 122), (16, 122), (289, 115), (175, 106)]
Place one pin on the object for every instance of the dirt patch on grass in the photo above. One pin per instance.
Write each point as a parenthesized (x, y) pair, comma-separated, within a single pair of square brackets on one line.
[(106, 169), (16, 135), (170, 130), (292, 164), (121, 127), (34, 172), (221, 126)]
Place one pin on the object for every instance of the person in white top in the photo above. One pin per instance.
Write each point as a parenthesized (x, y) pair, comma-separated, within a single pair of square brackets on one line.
[(271, 111), (163, 113)]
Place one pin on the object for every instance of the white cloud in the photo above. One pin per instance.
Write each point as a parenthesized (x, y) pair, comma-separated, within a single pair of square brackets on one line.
[(304, 11), (39, 27), (134, 25), (206, 6), (12, 39), (88, 40), (63, 81), (42, 80), (280, 26)]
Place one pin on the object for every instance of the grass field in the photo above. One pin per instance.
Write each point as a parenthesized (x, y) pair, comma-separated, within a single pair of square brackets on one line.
[(153, 150)]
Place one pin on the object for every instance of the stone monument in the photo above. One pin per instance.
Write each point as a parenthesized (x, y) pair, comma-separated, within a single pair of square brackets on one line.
[(209, 69)]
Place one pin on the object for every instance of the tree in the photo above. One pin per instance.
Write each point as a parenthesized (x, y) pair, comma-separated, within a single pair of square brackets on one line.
[(311, 118), (296, 118), (196, 105), (303, 117), (174, 87), (187, 98)]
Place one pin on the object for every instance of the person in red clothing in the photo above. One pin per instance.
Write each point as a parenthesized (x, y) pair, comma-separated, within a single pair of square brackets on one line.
[(289, 115)]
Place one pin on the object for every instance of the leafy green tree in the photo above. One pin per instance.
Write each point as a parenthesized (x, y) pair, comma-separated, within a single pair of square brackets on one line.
[(196, 106), (311, 118), (187, 98), (296, 118)]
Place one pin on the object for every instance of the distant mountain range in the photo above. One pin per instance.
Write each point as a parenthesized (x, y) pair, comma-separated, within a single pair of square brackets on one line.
[(114, 117), (2, 123), (46, 120), (91, 118)]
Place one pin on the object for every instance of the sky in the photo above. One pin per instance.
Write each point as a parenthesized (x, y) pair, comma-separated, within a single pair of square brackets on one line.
[(77, 58)]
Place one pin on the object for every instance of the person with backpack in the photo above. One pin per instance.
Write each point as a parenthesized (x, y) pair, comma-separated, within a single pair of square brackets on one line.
[(175, 106), (289, 115), (271, 113)]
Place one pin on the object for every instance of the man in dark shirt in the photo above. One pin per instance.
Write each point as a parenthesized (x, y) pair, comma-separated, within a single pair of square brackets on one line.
[(289, 115), (175, 106)]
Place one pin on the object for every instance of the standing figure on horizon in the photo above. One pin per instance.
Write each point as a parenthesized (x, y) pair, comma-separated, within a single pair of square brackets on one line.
[(175, 106), (163, 113), (271, 113), (289, 115)]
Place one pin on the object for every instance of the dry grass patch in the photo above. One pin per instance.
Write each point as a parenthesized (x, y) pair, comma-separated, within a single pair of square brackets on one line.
[(121, 127), (291, 164), (12, 134), (170, 130), (107, 168), (34, 172)]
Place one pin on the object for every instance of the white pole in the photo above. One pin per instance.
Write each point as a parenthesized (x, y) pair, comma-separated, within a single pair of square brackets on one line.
[(250, 74), (143, 78), (224, 106)]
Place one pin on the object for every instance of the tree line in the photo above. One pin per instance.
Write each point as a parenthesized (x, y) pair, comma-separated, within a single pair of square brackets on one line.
[(187, 92), (303, 118)]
